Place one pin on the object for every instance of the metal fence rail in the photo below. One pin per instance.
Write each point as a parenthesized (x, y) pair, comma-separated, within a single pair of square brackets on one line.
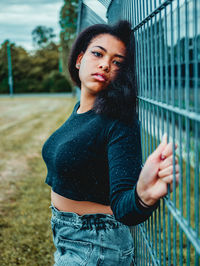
[(167, 37)]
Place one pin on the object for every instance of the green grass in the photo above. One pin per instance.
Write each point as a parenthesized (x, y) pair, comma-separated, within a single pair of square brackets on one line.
[(25, 237), (25, 231)]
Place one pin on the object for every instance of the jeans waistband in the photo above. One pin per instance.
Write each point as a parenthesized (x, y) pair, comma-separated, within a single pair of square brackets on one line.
[(99, 220)]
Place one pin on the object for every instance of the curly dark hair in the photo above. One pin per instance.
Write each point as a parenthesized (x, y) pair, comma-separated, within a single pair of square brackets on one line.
[(118, 100)]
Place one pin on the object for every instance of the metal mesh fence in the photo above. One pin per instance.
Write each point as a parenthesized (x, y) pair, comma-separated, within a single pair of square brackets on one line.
[(106, 3), (168, 47), (87, 16), (167, 37)]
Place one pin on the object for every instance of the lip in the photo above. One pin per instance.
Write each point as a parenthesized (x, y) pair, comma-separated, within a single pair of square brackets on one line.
[(99, 77)]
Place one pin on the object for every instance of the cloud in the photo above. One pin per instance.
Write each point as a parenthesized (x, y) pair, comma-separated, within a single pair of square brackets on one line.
[(30, 2), (18, 19)]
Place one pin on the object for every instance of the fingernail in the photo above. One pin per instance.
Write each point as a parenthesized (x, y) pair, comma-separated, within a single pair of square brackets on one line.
[(162, 157)]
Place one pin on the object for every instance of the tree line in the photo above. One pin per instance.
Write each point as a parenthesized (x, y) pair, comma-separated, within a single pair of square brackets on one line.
[(45, 69)]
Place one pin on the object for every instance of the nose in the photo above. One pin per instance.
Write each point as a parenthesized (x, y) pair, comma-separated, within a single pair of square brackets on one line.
[(104, 66)]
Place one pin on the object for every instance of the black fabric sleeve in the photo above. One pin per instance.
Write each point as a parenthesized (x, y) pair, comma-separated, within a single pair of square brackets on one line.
[(125, 164)]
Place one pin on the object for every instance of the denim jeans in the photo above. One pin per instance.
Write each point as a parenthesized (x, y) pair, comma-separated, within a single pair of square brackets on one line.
[(91, 239)]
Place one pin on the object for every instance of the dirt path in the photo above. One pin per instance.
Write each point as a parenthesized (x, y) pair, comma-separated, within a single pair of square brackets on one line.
[(25, 123)]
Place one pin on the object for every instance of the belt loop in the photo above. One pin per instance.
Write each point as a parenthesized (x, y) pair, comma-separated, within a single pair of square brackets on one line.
[(51, 206)]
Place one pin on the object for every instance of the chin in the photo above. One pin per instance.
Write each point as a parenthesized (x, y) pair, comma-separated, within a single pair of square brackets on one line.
[(95, 90)]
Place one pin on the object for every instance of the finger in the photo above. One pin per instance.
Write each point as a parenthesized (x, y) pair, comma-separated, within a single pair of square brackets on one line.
[(168, 151), (164, 138), (167, 162), (168, 171), (161, 147), (169, 179)]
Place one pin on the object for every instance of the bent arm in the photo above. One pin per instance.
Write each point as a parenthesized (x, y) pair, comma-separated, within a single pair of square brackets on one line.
[(125, 164)]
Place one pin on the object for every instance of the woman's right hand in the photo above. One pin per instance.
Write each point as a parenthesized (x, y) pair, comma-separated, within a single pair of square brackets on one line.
[(157, 173)]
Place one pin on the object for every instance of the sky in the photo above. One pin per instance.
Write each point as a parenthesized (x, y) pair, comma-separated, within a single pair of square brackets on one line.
[(19, 17)]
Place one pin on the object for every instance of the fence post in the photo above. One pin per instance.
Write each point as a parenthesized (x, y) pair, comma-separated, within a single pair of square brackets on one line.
[(10, 78)]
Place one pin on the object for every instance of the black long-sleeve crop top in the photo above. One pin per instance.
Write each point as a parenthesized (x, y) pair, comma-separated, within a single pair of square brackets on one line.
[(95, 158)]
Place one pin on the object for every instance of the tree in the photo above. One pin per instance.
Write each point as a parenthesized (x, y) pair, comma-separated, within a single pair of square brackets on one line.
[(42, 36), (68, 23), (20, 67), (36, 72), (4, 67), (68, 19)]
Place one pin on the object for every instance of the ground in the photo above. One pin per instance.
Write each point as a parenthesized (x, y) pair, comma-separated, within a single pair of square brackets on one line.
[(25, 123)]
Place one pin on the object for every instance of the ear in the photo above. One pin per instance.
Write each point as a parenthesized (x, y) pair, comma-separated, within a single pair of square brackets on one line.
[(78, 60)]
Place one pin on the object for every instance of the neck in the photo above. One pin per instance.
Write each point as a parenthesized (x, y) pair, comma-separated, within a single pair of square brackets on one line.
[(86, 102)]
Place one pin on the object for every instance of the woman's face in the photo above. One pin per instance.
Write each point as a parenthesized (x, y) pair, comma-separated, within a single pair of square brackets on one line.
[(100, 63)]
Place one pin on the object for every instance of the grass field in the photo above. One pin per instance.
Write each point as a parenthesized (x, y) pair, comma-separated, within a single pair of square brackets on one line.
[(25, 123)]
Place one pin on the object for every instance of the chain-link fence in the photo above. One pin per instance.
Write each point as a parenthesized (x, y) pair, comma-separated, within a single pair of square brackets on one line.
[(167, 35)]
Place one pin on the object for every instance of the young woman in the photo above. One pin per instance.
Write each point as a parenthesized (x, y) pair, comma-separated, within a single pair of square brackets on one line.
[(94, 159)]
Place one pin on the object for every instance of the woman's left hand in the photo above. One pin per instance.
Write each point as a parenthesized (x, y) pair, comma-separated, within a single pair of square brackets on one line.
[(157, 173)]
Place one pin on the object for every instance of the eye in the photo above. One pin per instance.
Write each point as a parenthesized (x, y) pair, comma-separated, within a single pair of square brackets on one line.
[(97, 54), (117, 63)]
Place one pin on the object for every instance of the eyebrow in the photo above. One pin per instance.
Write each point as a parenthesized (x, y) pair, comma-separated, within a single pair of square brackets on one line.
[(102, 48)]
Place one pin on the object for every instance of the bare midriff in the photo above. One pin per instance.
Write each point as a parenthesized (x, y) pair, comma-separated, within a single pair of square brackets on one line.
[(79, 207)]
